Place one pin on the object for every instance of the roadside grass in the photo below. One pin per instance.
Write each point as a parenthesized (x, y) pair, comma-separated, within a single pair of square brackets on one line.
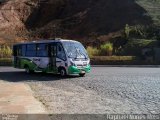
[(5, 61), (114, 58), (102, 60), (134, 47), (120, 60), (92, 51)]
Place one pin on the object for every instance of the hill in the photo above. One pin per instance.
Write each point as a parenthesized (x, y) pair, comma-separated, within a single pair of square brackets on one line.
[(152, 8), (73, 19)]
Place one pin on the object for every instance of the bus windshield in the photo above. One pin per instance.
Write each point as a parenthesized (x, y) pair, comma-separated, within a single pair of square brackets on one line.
[(75, 50)]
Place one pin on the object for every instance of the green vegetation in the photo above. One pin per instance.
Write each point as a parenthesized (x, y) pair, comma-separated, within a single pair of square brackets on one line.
[(153, 9), (115, 58), (127, 31), (106, 49), (135, 38), (120, 60), (92, 51), (5, 61), (5, 51), (142, 32), (135, 46)]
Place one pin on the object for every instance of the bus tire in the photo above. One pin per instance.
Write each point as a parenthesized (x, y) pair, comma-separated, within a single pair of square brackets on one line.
[(27, 70), (62, 72), (82, 74)]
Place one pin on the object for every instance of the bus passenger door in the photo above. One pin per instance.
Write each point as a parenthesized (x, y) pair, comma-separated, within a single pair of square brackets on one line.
[(16, 54), (53, 57)]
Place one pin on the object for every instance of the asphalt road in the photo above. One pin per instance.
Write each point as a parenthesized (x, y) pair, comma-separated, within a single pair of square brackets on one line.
[(105, 90)]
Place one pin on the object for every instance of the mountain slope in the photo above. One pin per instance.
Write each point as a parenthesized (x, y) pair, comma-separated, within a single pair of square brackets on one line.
[(84, 17), (72, 18), (153, 9)]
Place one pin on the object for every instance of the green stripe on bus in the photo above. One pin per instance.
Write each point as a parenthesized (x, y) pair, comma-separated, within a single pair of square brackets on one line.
[(75, 70)]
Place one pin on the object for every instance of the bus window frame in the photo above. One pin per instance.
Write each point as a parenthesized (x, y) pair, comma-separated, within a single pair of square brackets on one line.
[(62, 49), (46, 49), (15, 47), (17, 50), (24, 50), (30, 50)]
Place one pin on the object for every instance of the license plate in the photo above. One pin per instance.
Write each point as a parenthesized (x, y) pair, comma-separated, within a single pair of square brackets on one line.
[(83, 72), (84, 63)]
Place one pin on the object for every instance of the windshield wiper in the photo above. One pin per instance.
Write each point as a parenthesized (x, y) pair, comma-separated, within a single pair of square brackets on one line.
[(76, 53), (82, 54)]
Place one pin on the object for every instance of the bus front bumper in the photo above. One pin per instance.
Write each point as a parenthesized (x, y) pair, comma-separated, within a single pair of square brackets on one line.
[(75, 70)]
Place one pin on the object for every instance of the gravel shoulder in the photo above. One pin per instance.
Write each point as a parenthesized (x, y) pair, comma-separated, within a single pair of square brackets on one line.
[(104, 91), (108, 90), (17, 98)]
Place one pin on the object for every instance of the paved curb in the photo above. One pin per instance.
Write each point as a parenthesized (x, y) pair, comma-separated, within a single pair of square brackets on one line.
[(154, 66), (17, 98), (141, 66)]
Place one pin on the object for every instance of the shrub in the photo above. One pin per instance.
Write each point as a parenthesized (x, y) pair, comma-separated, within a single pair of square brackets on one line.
[(115, 58), (127, 31), (106, 49), (5, 61), (135, 46), (120, 60), (92, 51), (5, 51)]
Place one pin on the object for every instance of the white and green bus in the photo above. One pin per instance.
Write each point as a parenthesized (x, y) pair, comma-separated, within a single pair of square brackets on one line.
[(59, 56)]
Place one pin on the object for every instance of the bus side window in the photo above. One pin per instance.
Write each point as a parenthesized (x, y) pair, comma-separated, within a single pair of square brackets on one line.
[(31, 50), (23, 50), (60, 52), (42, 50)]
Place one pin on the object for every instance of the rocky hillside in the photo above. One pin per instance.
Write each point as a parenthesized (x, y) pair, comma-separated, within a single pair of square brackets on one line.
[(75, 19), (13, 15)]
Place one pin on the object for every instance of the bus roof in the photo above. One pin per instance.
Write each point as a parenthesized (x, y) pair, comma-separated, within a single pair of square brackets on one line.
[(46, 41)]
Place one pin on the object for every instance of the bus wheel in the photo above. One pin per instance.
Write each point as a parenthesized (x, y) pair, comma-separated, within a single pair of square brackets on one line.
[(82, 74), (62, 72)]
